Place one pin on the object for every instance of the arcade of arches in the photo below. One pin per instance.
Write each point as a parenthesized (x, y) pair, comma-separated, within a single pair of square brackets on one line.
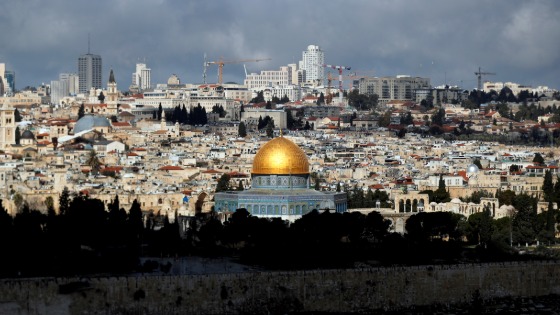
[(411, 202)]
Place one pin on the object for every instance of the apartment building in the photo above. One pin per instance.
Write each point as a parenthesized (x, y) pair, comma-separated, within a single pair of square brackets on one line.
[(401, 87)]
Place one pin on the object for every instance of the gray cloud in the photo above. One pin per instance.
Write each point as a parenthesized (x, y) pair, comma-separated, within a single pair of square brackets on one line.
[(445, 40)]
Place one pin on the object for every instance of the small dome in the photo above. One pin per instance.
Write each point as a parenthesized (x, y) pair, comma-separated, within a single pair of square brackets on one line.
[(90, 122), (27, 135), (472, 169), (455, 200), (280, 156)]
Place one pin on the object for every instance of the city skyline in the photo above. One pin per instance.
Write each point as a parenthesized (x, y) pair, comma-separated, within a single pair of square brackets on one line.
[(444, 41)]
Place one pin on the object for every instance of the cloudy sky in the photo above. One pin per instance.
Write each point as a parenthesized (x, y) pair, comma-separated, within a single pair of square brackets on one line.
[(445, 40)]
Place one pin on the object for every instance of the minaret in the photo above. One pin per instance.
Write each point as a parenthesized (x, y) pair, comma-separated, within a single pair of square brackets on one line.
[(163, 124)]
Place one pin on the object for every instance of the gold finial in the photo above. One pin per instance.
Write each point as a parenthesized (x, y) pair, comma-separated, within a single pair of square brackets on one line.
[(280, 132)]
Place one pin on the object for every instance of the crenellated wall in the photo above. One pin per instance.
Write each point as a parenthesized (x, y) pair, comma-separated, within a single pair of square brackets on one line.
[(279, 292)]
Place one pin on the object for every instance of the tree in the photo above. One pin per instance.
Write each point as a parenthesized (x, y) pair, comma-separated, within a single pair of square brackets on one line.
[(18, 201), (49, 203), (480, 227), (159, 112), (441, 194), (538, 159), (321, 99), (18, 135), (525, 220), (290, 121), (407, 119), (219, 109), (270, 129), (17, 115), (514, 168), (64, 201), (93, 162), (439, 117), (505, 197), (242, 130), (101, 97), (81, 111), (135, 223), (223, 183), (385, 119), (477, 163), (259, 98), (362, 101), (547, 228), (548, 187), (240, 186)]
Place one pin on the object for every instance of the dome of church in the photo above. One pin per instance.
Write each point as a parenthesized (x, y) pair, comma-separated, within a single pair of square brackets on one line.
[(280, 156), (27, 135), (472, 169), (90, 122)]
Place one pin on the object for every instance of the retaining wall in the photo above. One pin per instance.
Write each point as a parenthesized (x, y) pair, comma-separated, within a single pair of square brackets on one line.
[(355, 290)]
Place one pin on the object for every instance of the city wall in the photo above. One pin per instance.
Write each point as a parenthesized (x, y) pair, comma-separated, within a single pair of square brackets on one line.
[(354, 290)]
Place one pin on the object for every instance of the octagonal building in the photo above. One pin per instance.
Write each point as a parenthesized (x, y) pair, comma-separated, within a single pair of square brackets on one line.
[(280, 186)]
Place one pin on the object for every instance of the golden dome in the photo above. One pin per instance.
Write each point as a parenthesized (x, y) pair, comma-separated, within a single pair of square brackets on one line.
[(280, 156)]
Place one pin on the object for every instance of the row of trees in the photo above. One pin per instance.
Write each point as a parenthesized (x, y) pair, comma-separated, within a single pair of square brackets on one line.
[(194, 116), (86, 238), (82, 238)]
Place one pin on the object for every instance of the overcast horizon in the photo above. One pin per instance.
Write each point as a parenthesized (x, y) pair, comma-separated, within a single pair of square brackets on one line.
[(445, 41)]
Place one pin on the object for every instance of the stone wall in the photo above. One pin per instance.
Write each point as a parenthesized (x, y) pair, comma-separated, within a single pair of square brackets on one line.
[(356, 290)]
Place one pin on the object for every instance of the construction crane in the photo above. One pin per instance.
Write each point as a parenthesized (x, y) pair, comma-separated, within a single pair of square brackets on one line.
[(340, 69), (222, 62), (479, 73), (328, 98)]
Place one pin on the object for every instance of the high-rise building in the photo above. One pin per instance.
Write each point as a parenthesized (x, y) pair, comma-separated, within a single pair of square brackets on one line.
[(142, 77), (89, 72), (312, 63), (10, 77), (2, 79), (67, 85)]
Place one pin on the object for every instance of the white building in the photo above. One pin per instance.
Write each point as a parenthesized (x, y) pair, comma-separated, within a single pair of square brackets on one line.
[(293, 92), (284, 76), (498, 86), (67, 85), (237, 92), (142, 77), (312, 63), (401, 87)]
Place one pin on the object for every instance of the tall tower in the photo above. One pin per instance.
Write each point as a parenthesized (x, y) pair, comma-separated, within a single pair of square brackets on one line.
[(312, 62), (89, 71), (7, 126), (112, 92)]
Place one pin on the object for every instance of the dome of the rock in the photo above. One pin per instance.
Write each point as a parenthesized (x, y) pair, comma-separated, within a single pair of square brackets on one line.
[(280, 156)]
